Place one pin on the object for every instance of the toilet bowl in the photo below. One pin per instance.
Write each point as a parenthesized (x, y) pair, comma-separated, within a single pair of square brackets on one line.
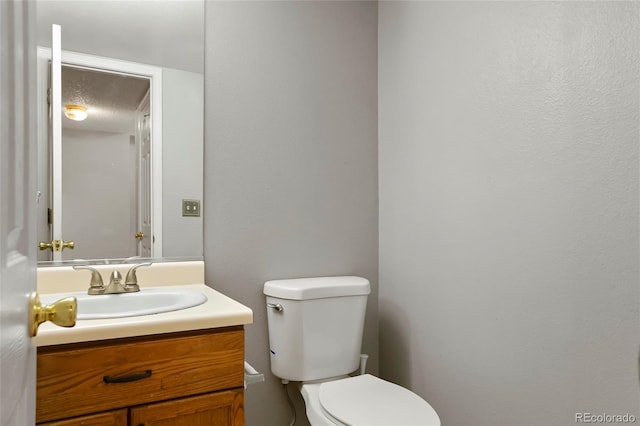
[(315, 338), (365, 400)]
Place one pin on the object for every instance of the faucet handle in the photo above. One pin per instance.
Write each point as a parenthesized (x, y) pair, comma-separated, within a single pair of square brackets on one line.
[(131, 282), (96, 285)]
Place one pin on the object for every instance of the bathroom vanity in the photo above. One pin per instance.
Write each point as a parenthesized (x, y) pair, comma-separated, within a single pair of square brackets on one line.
[(183, 367)]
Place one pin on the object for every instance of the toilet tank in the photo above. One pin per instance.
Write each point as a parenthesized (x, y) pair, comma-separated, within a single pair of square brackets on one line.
[(315, 326)]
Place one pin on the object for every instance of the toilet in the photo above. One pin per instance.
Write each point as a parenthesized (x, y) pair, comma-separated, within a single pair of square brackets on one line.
[(315, 337)]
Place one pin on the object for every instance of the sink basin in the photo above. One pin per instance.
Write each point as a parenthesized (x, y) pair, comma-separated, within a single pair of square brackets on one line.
[(144, 302)]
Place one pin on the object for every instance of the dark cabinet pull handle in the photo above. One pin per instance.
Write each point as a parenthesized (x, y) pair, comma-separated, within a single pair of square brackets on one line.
[(127, 378)]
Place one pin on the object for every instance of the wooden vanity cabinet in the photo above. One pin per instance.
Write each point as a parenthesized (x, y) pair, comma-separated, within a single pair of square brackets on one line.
[(189, 378)]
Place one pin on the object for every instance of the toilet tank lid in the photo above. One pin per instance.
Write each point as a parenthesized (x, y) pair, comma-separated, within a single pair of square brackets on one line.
[(317, 288)]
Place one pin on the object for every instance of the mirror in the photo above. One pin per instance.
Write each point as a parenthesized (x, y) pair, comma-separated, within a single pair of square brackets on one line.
[(168, 35)]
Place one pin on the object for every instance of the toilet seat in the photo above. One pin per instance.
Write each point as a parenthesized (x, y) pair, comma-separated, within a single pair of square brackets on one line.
[(368, 400)]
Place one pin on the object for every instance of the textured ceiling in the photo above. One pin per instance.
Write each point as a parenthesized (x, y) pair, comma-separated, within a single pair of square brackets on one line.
[(111, 99)]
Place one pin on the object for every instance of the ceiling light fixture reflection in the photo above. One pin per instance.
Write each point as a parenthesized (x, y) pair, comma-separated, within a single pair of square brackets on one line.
[(75, 112)]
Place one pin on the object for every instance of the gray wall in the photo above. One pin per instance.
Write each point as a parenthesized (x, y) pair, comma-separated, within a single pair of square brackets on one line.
[(165, 33), (509, 208), (291, 159), (182, 163)]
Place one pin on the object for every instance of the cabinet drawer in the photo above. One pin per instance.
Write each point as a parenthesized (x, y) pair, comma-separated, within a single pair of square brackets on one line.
[(111, 418), (71, 378), (215, 409)]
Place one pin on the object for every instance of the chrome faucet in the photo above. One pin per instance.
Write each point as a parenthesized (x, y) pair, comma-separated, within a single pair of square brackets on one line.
[(96, 285)]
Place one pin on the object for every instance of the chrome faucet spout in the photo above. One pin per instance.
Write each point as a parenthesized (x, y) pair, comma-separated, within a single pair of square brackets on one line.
[(115, 283)]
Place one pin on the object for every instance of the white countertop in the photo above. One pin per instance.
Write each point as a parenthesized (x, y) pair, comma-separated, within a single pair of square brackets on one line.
[(218, 311)]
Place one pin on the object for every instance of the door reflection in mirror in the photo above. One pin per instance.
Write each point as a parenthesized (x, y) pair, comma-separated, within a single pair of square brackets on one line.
[(102, 172)]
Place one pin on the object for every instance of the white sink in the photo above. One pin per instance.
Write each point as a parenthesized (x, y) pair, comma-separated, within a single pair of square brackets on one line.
[(145, 302)]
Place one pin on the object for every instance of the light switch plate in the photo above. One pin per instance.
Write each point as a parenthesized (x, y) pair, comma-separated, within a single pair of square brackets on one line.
[(191, 208)]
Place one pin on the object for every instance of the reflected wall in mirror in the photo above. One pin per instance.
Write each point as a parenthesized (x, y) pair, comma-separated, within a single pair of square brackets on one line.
[(165, 34)]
